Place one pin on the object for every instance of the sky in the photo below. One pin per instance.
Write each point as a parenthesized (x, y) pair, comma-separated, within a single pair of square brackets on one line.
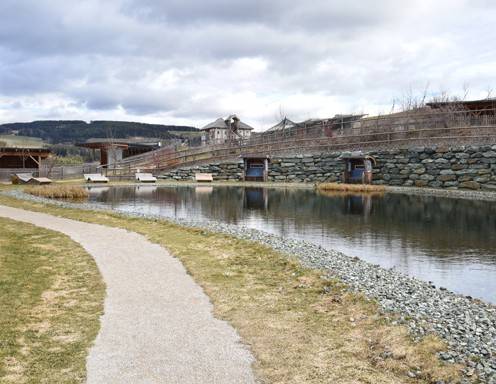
[(189, 62)]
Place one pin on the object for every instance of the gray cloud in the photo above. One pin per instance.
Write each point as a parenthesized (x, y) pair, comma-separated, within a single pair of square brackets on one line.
[(189, 61)]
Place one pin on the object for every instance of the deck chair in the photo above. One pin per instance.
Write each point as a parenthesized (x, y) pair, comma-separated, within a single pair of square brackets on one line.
[(40, 180), (21, 178), (145, 177), (204, 177), (95, 178)]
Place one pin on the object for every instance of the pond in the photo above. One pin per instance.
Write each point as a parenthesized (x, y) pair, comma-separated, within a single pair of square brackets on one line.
[(451, 242)]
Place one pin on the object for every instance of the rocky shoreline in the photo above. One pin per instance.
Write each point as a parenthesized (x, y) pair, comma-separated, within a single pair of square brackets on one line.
[(468, 325)]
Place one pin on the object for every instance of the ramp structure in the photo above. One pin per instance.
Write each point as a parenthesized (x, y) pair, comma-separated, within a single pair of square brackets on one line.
[(437, 125)]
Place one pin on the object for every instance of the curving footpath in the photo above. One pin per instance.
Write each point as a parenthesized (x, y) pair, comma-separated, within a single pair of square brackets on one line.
[(158, 325)]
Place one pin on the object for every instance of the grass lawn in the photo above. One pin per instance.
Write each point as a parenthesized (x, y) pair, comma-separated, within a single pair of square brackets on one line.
[(51, 298), (301, 328)]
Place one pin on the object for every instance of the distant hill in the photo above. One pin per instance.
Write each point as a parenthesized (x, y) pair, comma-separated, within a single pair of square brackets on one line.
[(72, 131)]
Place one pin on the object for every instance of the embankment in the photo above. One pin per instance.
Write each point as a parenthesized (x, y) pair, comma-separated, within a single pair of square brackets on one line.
[(462, 167)]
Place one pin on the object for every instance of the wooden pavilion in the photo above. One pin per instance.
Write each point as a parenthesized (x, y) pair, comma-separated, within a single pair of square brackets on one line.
[(114, 150), (22, 158)]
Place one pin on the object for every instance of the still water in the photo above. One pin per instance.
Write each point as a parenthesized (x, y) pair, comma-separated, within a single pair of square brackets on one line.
[(450, 242)]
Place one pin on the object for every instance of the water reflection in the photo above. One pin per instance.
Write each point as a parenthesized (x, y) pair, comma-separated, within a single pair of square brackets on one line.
[(256, 199), (448, 241)]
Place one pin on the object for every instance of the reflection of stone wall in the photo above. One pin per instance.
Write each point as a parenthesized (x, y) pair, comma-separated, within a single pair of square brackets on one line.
[(472, 167)]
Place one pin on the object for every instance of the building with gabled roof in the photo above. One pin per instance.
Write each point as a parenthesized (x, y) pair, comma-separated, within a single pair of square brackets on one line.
[(223, 130)]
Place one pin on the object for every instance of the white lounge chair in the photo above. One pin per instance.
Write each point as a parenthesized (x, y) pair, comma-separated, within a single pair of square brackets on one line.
[(95, 178), (204, 177), (40, 180), (145, 177)]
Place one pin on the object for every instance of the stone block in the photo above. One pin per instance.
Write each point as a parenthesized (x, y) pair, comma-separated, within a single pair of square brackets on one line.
[(427, 177), (421, 183), (489, 154), (446, 172), (483, 179), (485, 171), (435, 184), (442, 149), (449, 156), (470, 185), (457, 167), (450, 184), (419, 171), (446, 178), (489, 187)]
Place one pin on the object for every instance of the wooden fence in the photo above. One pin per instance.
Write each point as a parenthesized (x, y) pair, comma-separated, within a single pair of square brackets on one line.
[(55, 173), (450, 128)]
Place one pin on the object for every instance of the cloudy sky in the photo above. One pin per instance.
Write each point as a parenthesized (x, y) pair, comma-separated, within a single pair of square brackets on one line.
[(189, 62)]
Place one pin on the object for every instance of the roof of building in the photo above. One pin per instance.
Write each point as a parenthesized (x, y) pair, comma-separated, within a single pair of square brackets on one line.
[(283, 124), (489, 103), (288, 124), (221, 124), (24, 151), (126, 143)]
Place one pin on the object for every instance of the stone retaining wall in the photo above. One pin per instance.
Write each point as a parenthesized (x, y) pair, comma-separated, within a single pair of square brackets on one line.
[(471, 167)]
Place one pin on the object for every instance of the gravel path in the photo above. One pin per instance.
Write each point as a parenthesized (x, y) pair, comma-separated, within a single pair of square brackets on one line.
[(158, 324)]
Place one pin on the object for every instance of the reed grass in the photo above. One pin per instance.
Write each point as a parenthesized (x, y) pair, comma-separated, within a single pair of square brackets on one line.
[(58, 191), (351, 187)]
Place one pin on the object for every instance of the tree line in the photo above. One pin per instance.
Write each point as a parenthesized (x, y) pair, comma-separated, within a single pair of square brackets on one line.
[(72, 131)]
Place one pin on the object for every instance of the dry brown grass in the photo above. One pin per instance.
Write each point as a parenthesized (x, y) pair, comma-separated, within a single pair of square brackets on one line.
[(58, 191), (301, 327), (351, 187)]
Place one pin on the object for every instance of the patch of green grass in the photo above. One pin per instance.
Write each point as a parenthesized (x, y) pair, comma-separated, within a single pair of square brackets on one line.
[(51, 299), (301, 327)]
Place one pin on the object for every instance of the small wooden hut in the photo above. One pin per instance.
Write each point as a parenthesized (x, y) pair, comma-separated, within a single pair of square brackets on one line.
[(358, 168), (256, 167)]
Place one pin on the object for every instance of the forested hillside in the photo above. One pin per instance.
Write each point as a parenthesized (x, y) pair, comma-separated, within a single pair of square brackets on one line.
[(71, 131)]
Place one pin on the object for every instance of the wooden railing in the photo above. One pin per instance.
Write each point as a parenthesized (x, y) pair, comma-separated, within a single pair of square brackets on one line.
[(370, 134)]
